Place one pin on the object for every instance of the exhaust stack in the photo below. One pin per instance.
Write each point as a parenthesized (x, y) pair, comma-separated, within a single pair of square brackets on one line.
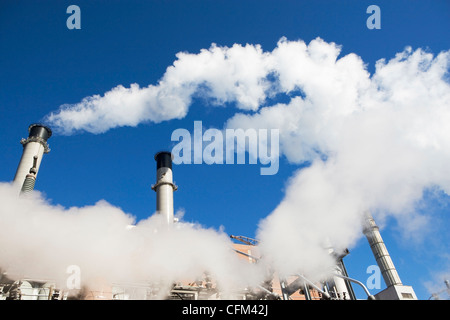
[(34, 148), (380, 252), (395, 289), (164, 186)]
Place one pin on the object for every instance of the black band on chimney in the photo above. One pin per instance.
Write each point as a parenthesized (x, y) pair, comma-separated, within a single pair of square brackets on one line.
[(163, 159), (39, 130)]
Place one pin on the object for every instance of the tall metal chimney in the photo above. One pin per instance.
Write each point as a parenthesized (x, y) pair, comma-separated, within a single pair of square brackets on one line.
[(164, 186), (395, 289), (380, 252), (33, 149)]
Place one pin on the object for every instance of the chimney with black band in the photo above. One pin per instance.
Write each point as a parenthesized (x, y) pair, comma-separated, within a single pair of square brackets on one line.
[(34, 148), (164, 186)]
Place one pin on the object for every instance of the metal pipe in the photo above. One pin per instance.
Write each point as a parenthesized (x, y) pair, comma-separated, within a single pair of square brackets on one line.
[(283, 286), (325, 294), (369, 296), (349, 285), (307, 292), (247, 255)]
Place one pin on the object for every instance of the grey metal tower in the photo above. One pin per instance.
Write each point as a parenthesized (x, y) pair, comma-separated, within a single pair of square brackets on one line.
[(395, 289)]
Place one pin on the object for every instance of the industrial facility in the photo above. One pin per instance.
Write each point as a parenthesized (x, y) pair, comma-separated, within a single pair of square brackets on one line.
[(294, 287)]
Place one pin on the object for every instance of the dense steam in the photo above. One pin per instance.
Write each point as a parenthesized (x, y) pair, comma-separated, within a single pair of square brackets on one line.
[(42, 241), (375, 142)]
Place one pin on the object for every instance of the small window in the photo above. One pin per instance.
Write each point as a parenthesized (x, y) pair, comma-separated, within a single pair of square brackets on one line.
[(407, 295)]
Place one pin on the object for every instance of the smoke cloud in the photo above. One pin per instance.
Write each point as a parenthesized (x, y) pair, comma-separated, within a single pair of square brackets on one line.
[(374, 142), (220, 75), (43, 240)]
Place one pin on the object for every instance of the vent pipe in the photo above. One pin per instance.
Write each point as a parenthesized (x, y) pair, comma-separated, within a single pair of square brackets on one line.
[(33, 149), (164, 186)]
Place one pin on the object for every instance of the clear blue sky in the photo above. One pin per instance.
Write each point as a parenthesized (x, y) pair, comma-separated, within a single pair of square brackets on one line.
[(44, 65)]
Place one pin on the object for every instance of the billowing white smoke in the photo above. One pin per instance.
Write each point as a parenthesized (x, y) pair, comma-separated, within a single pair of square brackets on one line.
[(43, 241), (375, 142), (222, 75)]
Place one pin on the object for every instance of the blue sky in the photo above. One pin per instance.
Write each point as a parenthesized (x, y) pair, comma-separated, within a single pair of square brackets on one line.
[(45, 65)]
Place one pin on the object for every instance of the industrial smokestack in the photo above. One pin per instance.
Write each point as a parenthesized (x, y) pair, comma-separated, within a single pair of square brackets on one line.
[(33, 149), (164, 186), (380, 252), (395, 289)]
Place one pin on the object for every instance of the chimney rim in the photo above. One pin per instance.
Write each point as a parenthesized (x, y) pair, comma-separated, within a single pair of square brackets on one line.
[(163, 152), (49, 131)]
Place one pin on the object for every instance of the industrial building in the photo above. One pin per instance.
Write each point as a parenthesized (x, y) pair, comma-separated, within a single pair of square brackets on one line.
[(295, 287)]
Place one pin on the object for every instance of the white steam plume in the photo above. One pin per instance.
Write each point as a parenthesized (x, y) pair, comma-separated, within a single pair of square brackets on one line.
[(40, 240), (220, 74), (375, 142)]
